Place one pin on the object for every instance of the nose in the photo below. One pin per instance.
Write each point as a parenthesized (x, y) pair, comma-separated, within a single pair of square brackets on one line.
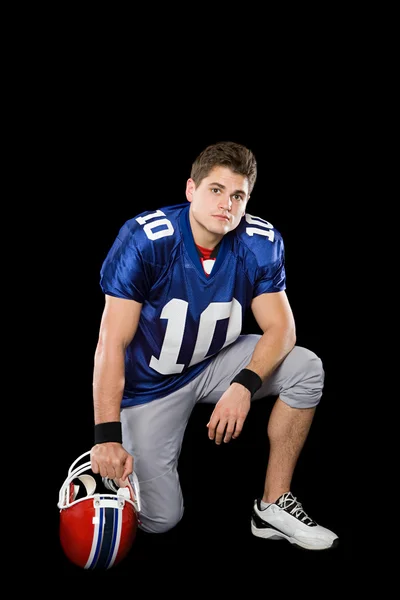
[(225, 202)]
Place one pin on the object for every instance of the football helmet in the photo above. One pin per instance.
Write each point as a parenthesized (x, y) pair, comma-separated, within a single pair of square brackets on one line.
[(97, 526)]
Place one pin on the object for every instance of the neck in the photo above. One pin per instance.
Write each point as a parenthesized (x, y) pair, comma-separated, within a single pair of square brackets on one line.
[(201, 235)]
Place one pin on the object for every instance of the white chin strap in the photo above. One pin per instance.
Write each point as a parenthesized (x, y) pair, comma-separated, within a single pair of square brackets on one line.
[(89, 483), (111, 484), (134, 481)]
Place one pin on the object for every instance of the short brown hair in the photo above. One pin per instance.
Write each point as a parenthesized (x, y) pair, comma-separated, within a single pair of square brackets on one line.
[(234, 156)]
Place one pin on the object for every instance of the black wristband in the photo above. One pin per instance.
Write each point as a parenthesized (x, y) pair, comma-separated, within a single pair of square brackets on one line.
[(249, 379), (108, 432)]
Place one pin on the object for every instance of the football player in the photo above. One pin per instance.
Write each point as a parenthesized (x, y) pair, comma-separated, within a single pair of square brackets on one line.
[(177, 283)]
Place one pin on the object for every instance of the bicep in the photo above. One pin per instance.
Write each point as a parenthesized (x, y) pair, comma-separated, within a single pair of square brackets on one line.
[(273, 310), (119, 321)]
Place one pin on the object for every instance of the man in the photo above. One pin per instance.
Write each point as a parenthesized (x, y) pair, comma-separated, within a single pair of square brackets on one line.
[(177, 284)]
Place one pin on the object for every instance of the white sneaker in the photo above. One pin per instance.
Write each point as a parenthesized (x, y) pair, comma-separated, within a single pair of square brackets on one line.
[(286, 519)]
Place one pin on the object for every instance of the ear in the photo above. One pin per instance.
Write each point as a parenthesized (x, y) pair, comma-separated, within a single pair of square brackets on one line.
[(190, 188)]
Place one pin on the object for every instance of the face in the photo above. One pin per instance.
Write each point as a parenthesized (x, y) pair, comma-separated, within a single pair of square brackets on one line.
[(217, 205)]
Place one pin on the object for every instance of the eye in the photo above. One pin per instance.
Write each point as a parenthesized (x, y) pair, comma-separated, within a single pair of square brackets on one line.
[(215, 190), (237, 197)]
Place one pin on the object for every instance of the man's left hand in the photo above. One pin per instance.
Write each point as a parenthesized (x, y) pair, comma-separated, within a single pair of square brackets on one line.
[(229, 414)]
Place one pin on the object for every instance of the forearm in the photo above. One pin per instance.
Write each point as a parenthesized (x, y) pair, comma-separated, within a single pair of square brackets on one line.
[(273, 346), (108, 383)]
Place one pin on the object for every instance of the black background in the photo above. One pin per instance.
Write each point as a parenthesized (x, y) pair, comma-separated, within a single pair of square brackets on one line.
[(105, 182), (118, 145)]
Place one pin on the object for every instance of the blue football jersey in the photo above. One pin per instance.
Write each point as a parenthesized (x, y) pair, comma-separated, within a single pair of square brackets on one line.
[(187, 316)]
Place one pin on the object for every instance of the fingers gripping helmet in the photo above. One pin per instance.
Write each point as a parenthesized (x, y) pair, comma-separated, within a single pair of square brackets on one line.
[(97, 528)]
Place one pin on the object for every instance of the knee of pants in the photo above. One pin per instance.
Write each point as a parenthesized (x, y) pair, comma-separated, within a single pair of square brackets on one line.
[(161, 523), (161, 503), (305, 384)]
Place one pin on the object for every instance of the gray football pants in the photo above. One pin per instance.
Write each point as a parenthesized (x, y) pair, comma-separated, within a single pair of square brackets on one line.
[(153, 432)]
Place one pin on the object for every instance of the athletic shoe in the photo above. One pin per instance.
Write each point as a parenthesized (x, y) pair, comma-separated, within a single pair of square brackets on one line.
[(286, 519)]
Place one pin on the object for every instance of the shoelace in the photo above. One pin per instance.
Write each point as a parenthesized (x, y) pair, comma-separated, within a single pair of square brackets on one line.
[(287, 501)]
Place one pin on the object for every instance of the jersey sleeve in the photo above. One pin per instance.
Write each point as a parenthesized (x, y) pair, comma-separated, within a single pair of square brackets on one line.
[(124, 274), (264, 255), (271, 274)]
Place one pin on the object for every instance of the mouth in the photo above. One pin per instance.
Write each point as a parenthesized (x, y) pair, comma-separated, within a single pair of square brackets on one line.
[(221, 217)]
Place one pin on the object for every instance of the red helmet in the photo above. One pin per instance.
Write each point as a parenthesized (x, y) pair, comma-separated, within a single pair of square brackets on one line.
[(97, 530)]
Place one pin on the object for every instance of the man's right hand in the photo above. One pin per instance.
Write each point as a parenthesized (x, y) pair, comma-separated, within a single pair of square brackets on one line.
[(111, 460)]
